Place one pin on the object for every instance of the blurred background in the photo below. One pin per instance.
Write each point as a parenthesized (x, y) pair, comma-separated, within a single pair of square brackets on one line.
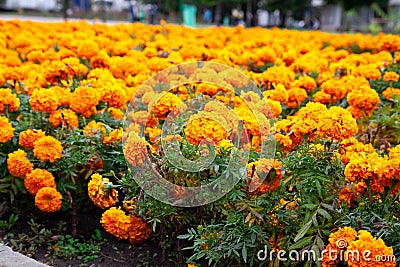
[(329, 15)]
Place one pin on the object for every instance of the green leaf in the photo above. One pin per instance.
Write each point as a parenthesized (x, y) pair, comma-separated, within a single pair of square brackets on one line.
[(244, 253), (301, 243), (303, 231), (325, 214)]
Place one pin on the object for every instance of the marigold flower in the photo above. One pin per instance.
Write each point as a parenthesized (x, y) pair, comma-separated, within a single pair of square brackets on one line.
[(48, 148), (38, 178), (365, 98), (206, 125), (84, 99), (101, 193), (28, 138), (8, 100), (278, 94), (65, 117), (296, 97), (44, 100), (167, 103), (93, 128), (338, 124), (269, 167), (135, 149), (116, 113), (48, 199), (342, 237), (133, 228), (391, 76), (6, 130), (378, 251), (305, 82), (18, 165), (389, 92), (114, 136)]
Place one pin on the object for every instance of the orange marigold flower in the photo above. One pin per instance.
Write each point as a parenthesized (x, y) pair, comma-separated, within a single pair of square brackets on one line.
[(133, 228), (389, 92), (391, 76), (87, 48), (135, 149), (48, 148), (38, 178), (378, 254), (278, 94), (48, 199), (65, 117), (64, 95), (114, 95), (8, 100), (269, 167), (365, 98), (164, 105), (44, 100), (338, 124), (255, 123), (335, 88), (28, 138), (101, 192), (6, 130), (342, 237), (84, 99), (324, 98), (308, 119), (305, 82), (270, 108), (116, 113), (206, 125), (296, 97), (18, 165)]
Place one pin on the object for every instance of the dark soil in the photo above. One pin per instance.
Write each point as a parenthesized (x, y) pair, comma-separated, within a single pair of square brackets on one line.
[(113, 252)]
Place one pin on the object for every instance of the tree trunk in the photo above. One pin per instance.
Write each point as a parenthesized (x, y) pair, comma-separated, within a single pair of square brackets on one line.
[(65, 7), (283, 19), (217, 18), (249, 13)]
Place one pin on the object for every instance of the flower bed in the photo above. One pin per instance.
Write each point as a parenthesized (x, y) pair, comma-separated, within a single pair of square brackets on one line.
[(299, 128)]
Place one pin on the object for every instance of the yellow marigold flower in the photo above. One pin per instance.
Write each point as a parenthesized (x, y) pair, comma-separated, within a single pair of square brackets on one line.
[(6, 130), (48, 148), (389, 92), (9, 100), (206, 125), (391, 76), (254, 121), (296, 97), (114, 136), (28, 138), (135, 149), (38, 178), (65, 117), (394, 152), (167, 103), (133, 228), (338, 124), (48, 199), (44, 100), (342, 237), (101, 193), (359, 167), (279, 75), (93, 128), (84, 99), (379, 253), (18, 165)]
